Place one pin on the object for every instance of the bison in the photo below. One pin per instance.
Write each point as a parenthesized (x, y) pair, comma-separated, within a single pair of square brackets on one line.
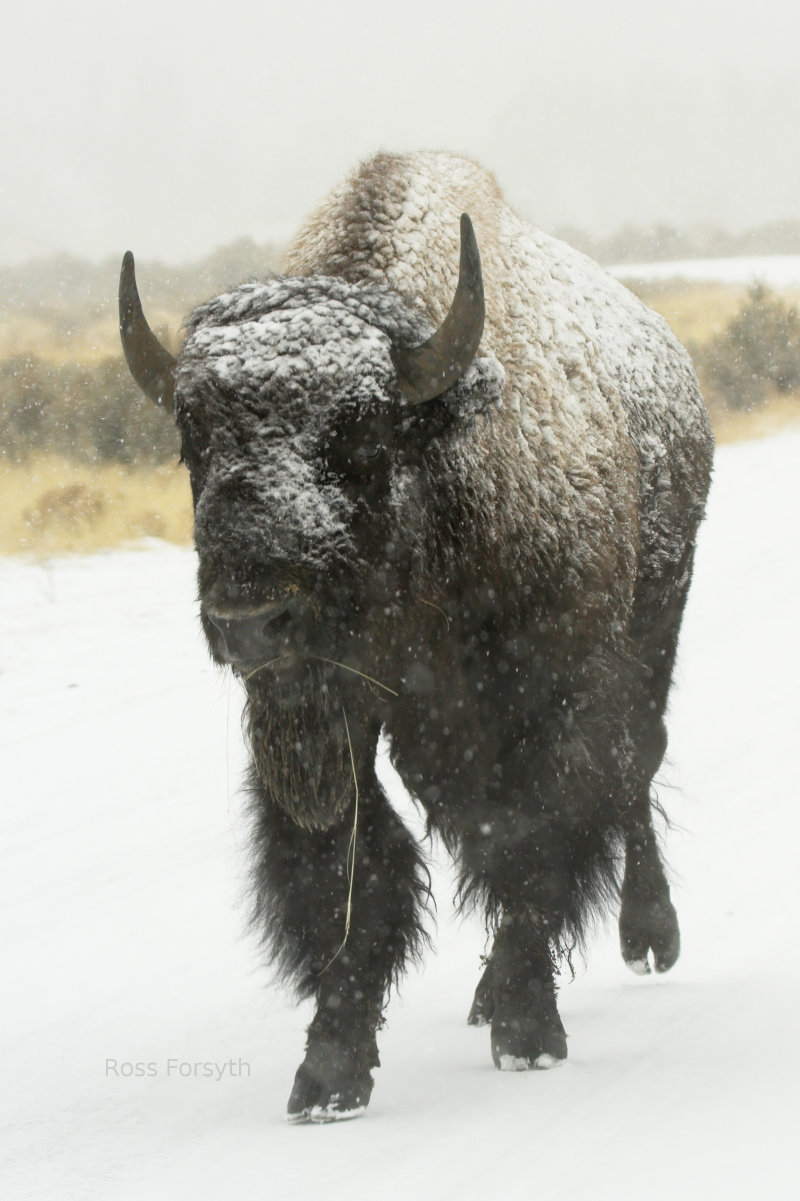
[(455, 497)]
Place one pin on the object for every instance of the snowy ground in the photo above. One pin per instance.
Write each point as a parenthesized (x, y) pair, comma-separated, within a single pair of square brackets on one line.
[(121, 862), (774, 270)]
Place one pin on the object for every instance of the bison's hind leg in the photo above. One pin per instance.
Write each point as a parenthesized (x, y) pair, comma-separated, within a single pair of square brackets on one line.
[(648, 923)]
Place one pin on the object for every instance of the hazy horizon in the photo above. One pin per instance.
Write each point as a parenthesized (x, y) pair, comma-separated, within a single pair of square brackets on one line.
[(173, 130)]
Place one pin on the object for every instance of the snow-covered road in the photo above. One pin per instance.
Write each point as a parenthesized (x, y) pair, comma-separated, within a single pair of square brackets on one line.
[(122, 861)]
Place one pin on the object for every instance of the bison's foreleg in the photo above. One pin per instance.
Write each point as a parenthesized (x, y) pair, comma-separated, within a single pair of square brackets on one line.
[(541, 848), (341, 919), (517, 995)]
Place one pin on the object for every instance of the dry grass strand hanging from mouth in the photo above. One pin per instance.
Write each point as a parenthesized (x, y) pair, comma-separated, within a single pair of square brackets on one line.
[(262, 667), (333, 662), (351, 854), (356, 672), (438, 609)]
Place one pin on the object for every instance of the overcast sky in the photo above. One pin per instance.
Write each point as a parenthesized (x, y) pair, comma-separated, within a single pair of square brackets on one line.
[(172, 126)]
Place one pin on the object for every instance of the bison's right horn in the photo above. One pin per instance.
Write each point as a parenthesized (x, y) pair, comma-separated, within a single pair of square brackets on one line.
[(150, 364), (425, 371)]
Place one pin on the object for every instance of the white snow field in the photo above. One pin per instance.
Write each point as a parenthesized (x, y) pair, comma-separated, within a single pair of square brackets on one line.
[(122, 862), (773, 270)]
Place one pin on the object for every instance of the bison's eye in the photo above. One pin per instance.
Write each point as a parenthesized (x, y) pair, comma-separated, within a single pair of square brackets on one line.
[(357, 460), (194, 414), (368, 452), (195, 435), (357, 451)]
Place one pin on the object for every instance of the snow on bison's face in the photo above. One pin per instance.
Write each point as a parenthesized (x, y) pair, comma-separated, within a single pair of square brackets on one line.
[(308, 438)]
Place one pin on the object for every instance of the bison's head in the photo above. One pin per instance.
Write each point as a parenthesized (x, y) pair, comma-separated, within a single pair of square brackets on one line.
[(313, 414)]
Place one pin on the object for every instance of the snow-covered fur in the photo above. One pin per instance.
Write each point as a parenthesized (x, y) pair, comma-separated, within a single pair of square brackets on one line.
[(495, 577)]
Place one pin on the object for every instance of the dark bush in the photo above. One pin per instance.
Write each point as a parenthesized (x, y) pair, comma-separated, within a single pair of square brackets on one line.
[(758, 353), (89, 412), (26, 394)]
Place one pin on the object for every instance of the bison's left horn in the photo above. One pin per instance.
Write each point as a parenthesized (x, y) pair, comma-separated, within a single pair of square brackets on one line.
[(151, 365), (425, 371)]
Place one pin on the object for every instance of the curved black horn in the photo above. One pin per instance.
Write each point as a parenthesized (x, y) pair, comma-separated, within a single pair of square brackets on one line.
[(150, 364), (425, 371)]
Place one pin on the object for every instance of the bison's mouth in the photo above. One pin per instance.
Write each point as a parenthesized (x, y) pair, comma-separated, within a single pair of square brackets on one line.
[(286, 669), (281, 643)]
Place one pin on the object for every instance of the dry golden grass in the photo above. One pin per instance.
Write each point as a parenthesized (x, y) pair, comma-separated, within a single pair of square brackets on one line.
[(94, 341), (779, 413), (55, 506), (51, 505), (696, 312)]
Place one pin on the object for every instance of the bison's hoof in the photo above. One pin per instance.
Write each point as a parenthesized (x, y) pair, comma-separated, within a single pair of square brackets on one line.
[(649, 927), (334, 1113), (315, 1099), (522, 1044), (510, 1063)]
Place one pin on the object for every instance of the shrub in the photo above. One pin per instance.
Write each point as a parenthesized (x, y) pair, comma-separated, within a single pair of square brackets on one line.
[(757, 354), (92, 413)]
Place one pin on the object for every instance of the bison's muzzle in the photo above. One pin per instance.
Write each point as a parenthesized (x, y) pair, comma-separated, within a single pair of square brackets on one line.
[(254, 638)]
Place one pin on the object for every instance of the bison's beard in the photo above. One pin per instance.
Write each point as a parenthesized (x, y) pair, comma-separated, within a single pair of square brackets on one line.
[(301, 753)]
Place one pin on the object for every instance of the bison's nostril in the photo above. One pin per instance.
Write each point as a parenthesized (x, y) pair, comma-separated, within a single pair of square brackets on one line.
[(252, 636)]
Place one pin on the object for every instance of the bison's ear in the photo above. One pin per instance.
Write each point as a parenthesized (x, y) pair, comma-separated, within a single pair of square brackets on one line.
[(425, 372), (150, 364), (479, 389)]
